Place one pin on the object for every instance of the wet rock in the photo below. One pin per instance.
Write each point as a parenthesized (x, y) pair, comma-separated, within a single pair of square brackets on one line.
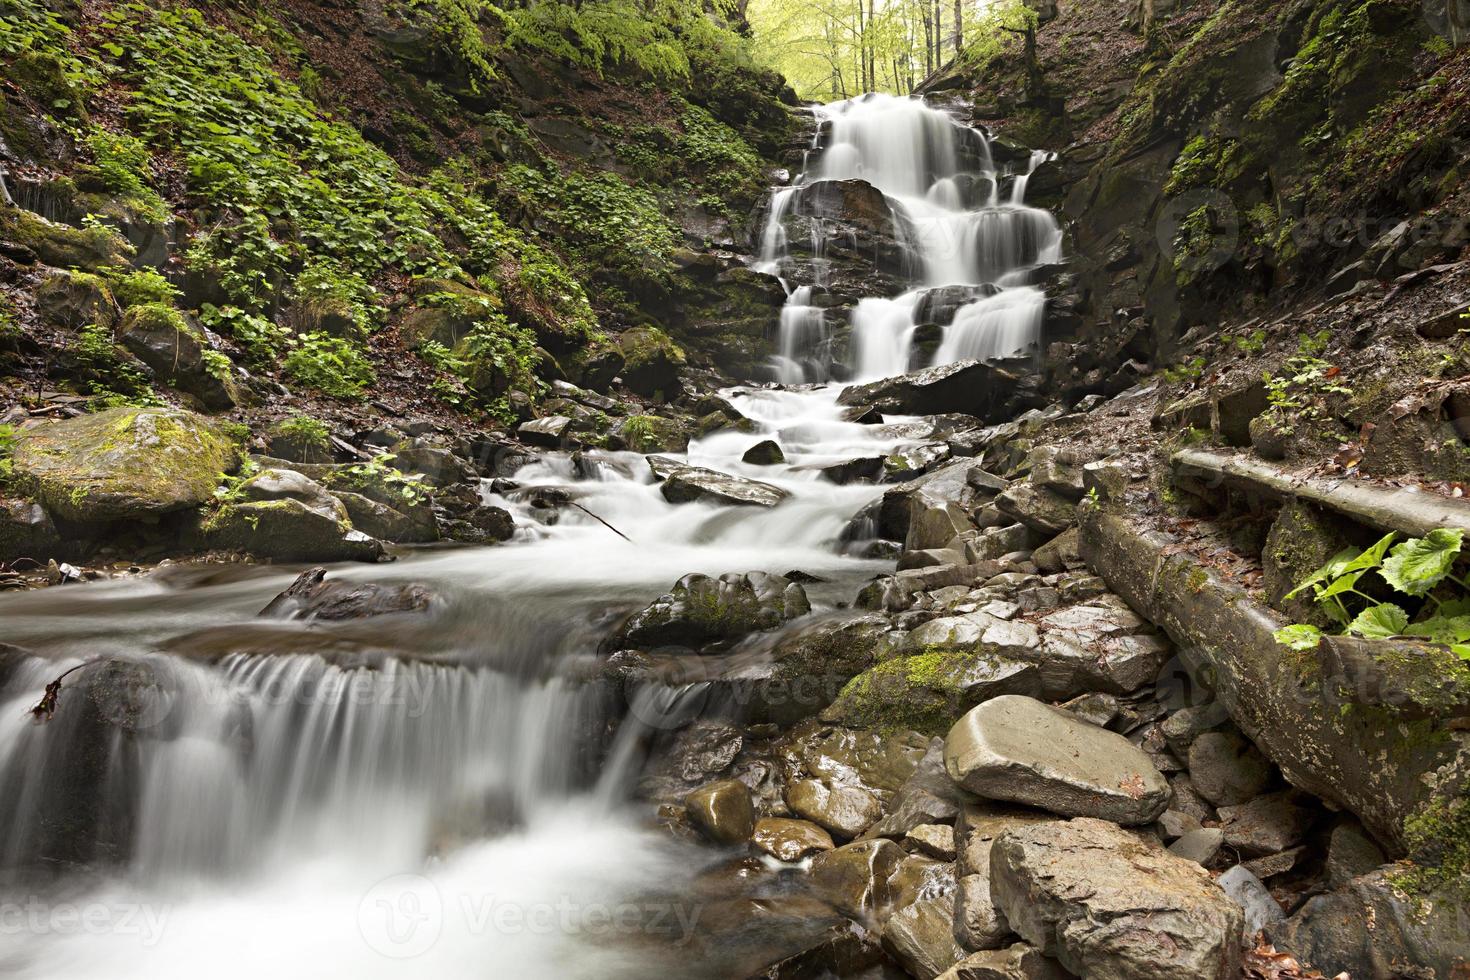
[(123, 464), (965, 387), (978, 923), (805, 672), (651, 361), (1199, 846), (722, 811), (287, 530), (1372, 930), (551, 431), (692, 483), (436, 465), (790, 840), (290, 485), (927, 797), (865, 469), (845, 811), (701, 610), (27, 531), (1039, 509), (663, 467), (878, 762), (920, 935), (764, 453), (933, 839), (905, 464), (1018, 749), (1017, 962), (385, 523), (854, 878), (842, 951), (1267, 824), (1111, 905), (1247, 891), (311, 597), (1226, 769)]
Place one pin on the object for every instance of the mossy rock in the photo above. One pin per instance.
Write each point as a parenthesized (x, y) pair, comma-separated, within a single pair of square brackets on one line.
[(74, 300), (62, 245), (165, 340), (331, 315), (920, 693), (651, 360), (286, 530), (123, 464), (651, 434)]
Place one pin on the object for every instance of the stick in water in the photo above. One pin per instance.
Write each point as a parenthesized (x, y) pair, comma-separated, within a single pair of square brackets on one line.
[(600, 521)]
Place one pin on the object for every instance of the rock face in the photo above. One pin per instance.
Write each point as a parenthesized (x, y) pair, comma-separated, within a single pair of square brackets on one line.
[(964, 387), (1018, 749), (690, 483), (312, 597), (1113, 906), (123, 464), (700, 610), (1016, 962), (978, 923)]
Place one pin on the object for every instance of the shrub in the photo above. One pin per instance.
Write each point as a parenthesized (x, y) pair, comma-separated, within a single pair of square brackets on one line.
[(330, 365)]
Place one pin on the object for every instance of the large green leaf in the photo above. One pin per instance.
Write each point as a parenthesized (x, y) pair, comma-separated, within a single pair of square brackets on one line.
[(1372, 557), (1380, 622), (1419, 564), (1299, 636), (1341, 584), (1332, 569), (1442, 629)]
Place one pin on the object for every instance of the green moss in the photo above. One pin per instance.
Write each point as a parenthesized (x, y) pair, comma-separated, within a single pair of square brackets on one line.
[(921, 693), (62, 245), (1438, 839)]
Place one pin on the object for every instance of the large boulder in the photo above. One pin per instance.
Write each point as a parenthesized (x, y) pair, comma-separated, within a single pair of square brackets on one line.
[(1111, 905), (290, 485), (27, 531), (688, 484), (651, 360), (805, 671), (286, 530), (855, 879), (1018, 749), (978, 922), (123, 464), (964, 387), (700, 610), (311, 597)]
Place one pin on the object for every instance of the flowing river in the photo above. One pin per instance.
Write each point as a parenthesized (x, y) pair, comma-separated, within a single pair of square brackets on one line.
[(444, 795)]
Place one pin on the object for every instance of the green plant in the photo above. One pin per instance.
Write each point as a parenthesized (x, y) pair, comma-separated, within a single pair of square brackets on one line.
[(132, 287), (121, 164), (410, 490), (261, 339), (329, 364), (1300, 394), (1415, 570), (326, 283), (1251, 343), (107, 372), (1191, 370), (7, 446), (304, 432)]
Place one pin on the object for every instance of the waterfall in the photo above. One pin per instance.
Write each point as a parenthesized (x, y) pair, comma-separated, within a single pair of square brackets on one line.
[(940, 180)]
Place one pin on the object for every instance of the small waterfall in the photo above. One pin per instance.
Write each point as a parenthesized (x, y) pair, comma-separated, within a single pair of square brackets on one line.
[(941, 182)]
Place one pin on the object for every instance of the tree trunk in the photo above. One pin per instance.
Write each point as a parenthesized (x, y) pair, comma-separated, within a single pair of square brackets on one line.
[(959, 25)]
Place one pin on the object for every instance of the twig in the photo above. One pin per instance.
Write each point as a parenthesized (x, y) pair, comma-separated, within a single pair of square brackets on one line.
[(46, 707), (600, 521)]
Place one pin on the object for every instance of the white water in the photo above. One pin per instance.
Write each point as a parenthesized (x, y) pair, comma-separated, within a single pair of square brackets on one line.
[(940, 178)]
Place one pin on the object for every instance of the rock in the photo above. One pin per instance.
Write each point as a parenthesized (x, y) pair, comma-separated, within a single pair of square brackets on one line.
[(1057, 470), (1246, 890), (1199, 846), (289, 485), (435, 465), (907, 463), (663, 467), (927, 797), (27, 531), (806, 671), (964, 387), (1018, 749), (864, 469), (123, 464), (311, 597), (1041, 510), (933, 839), (846, 811), (934, 522), (1060, 553), (700, 610), (1111, 905), (692, 483), (1267, 824), (1370, 929), (651, 361), (1175, 824), (790, 840), (74, 300), (287, 530), (978, 924), (551, 431), (993, 542), (928, 692), (385, 523), (1274, 865), (920, 935), (1185, 725), (169, 343), (722, 811), (1226, 769), (1350, 853), (854, 878), (652, 434), (767, 452), (1301, 540), (1017, 962), (1187, 798), (1096, 708), (1110, 478)]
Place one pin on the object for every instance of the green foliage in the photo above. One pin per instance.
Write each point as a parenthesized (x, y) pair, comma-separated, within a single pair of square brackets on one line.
[(121, 164), (725, 163), (261, 339), (108, 372), (134, 287), (330, 365), (380, 473), (35, 36), (455, 26), (1415, 569), (325, 280), (653, 37), (1251, 343), (1191, 370), (1300, 395), (7, 446), (305, 432)]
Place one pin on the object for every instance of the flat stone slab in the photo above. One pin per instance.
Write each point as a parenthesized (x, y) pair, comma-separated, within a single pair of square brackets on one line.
[(1018, 749), (691, 483)]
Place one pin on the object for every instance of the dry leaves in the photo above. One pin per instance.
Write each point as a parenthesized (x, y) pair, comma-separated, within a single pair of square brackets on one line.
[(1266, 963)]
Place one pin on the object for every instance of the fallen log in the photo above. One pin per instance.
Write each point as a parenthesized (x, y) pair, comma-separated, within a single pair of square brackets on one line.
[(1411, 512), (1381, 755)]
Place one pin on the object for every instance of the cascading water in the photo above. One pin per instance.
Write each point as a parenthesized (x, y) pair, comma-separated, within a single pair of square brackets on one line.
[(941, 180)]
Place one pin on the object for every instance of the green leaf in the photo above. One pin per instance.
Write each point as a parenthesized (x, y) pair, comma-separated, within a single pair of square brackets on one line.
[(1419, 564), (1372, 557), (1345, 583), (1442, 629), (1299, 636), (1462, 650), (1332, 569), (1380, 622)]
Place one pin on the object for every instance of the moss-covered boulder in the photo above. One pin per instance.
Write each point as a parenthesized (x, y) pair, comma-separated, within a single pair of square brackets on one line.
[(928, 692), (651, 434), (651, 360), (702, 610), (165, 340), (74, 300), (62, 245), (123, 464), (288, 530)]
